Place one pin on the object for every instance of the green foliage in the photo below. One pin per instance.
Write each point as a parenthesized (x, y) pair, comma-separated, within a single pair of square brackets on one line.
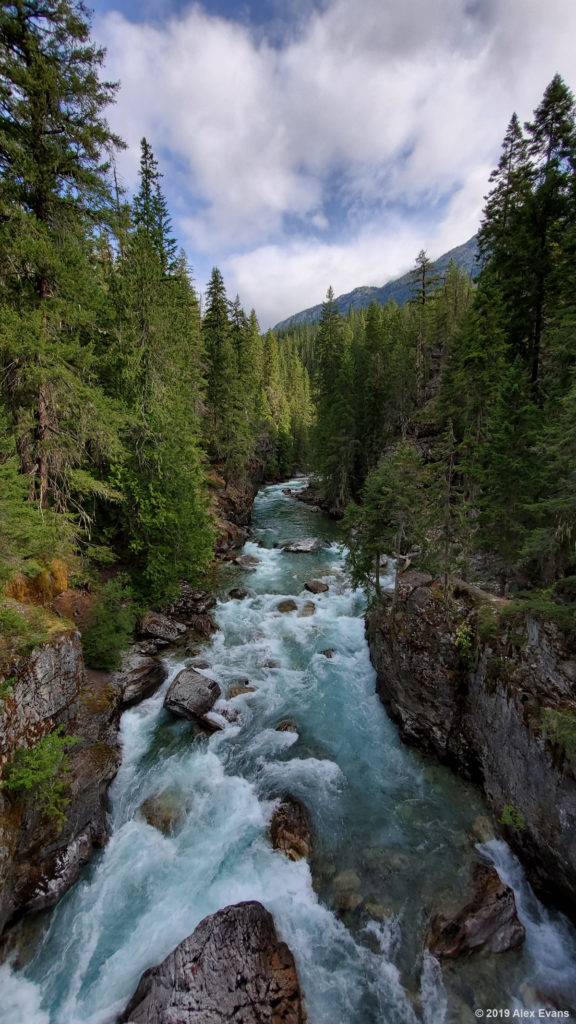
[(392, 518), (560, 728), (511, 816), (111, 625), (546, 606), (28, 537), (40, 775), (464, 643), (21, 631), (487, 620), (6, 687)]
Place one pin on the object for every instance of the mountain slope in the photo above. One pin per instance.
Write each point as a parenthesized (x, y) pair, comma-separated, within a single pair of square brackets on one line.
[(465, 256)]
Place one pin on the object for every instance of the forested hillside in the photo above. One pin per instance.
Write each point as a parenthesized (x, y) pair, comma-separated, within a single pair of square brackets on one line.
[(451, 421), (117, 398)]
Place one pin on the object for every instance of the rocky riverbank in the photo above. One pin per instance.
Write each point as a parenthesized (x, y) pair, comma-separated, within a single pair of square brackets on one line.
[(490, 691)]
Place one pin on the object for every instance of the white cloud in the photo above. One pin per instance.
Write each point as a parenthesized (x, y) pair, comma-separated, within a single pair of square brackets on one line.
[(373, 105)]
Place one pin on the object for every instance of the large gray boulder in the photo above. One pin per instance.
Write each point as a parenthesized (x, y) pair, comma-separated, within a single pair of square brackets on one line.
[(139, 677), (489, 922), (232, 970), (192, 695), (305, 546)]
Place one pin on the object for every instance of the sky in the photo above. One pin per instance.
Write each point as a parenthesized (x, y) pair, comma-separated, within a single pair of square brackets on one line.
[(309, 143)]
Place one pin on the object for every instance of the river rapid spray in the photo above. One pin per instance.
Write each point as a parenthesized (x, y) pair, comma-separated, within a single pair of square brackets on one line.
[(390, 824)]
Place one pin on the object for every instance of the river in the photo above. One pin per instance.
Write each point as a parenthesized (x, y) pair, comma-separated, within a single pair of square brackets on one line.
[(393, 830)]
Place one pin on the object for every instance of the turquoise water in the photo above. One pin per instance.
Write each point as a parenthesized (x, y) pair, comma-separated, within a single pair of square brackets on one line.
[(391, 828)]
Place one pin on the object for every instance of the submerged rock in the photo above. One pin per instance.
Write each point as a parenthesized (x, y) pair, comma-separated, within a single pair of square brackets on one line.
[(287, 606), (489, 922), (240, 688), (291, 829), (232, 970), (346, 886), (316, 587), (246, 560), (287, 725), (329, 652), (164, 810), (307, 609), (305, 546), (192, 695)]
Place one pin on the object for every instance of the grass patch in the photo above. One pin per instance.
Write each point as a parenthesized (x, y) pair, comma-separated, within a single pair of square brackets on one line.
[(24, 627)]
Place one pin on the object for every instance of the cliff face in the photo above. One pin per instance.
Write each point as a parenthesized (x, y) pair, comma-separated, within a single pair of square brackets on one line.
[(479, 689), (46, 685), (39, 859)]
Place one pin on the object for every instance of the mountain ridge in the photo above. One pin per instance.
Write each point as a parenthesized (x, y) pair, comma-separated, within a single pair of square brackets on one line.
[(465, 256)]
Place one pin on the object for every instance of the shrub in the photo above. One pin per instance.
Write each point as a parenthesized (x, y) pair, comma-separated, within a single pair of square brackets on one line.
[(111, 625), (511, 816), (465, 645), (560, 728), (40, 775)]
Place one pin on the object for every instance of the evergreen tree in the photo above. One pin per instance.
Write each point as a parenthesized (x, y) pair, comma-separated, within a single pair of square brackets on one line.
[(54, 193), (149, 209), (227, 430)]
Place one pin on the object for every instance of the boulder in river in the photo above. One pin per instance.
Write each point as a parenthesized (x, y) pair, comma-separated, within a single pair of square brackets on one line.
[(203, 626), (192, 695), (238, 593), (316, 587), (241, 688), (305, 546), (247, 560), (287, 725), (138, 678), (329, 652), (291, 829), (488, 923), (165, 810), (287, 606), (160, 627), (232, 970)]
